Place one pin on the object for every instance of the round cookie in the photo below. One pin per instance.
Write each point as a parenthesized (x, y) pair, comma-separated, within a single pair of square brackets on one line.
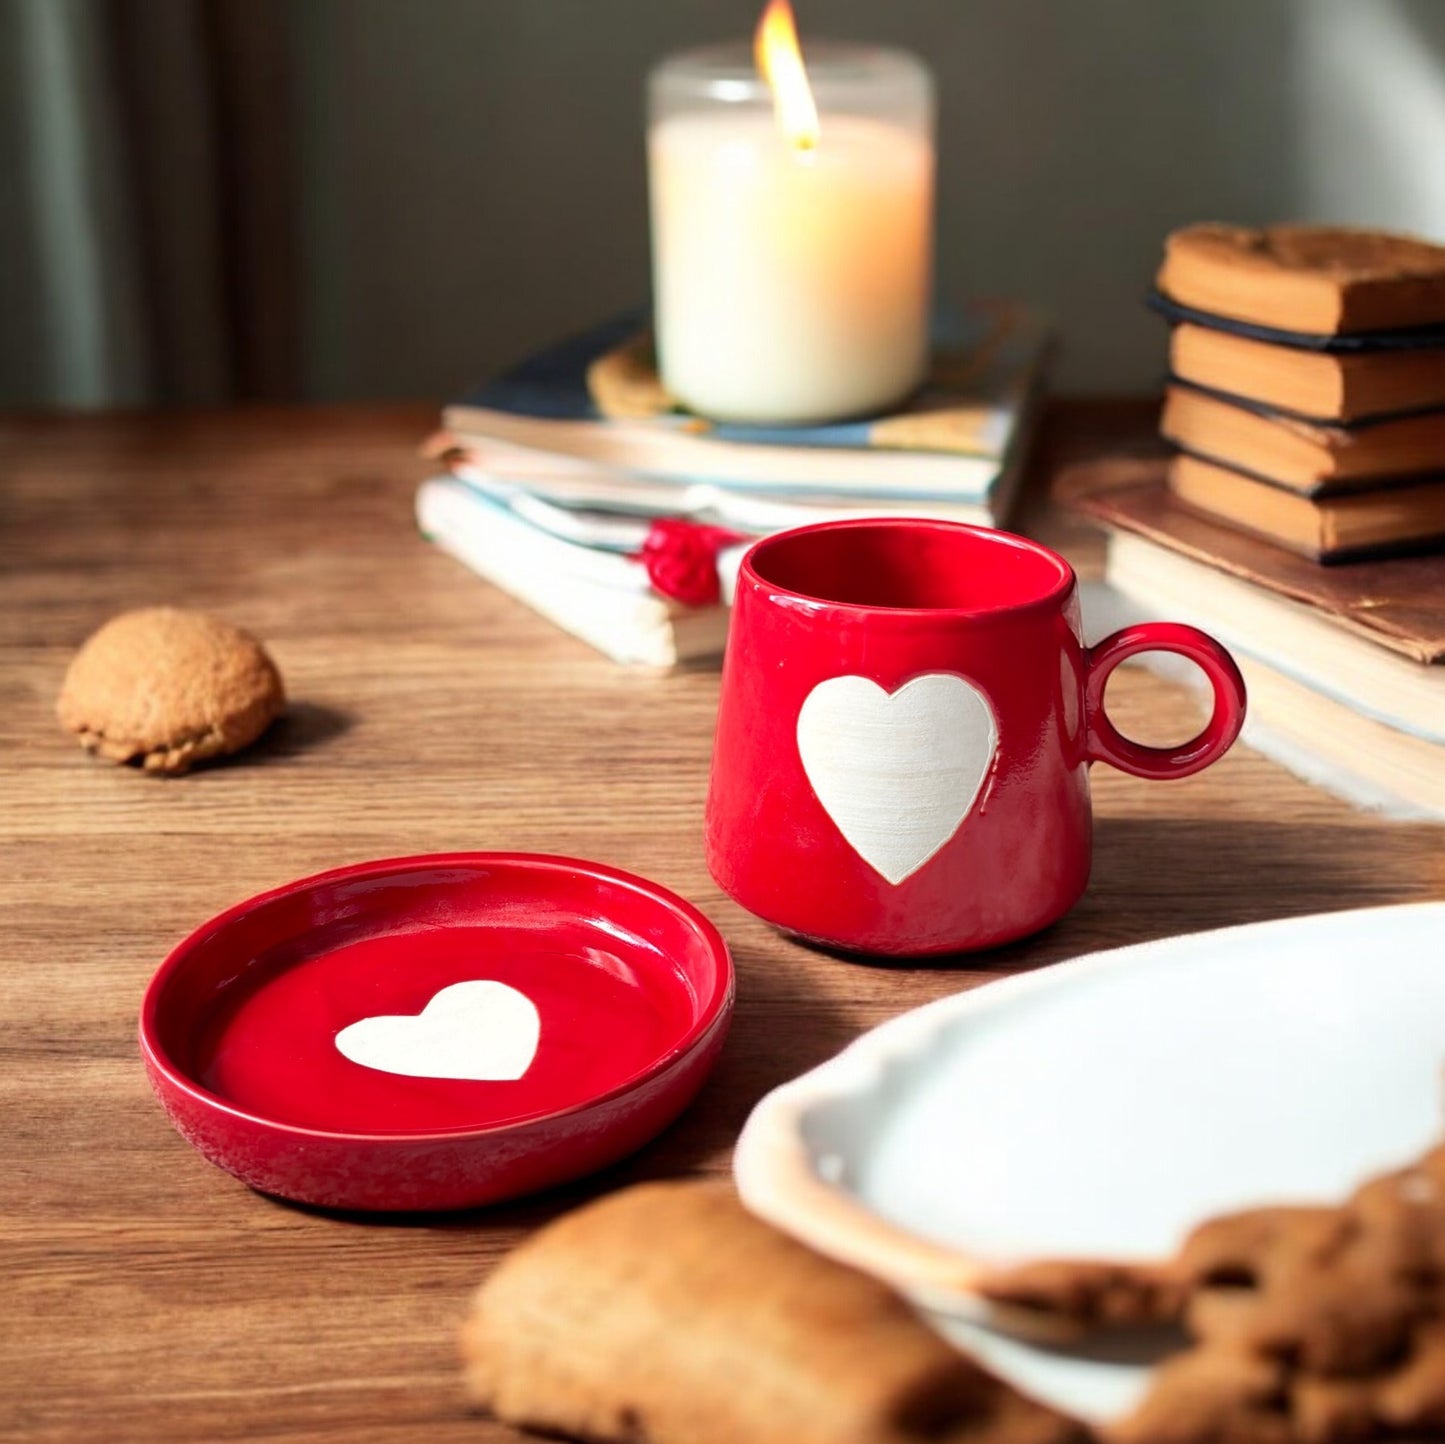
[(169, 688)]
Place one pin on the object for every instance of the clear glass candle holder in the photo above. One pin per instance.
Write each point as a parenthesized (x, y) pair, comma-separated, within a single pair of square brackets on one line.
[(791, 282)]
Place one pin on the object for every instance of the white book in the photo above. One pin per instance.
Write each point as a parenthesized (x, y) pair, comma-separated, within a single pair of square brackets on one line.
[(602, 596), (1332, 739), (568, 483), (627, 497), (1293, 640), (644, 449)]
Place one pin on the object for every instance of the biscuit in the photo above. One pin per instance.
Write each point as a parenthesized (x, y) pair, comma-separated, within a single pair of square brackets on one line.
[(1063, 1295), (168, 688), (1343, 1309), (667, 1313), (1320, 280), (624, 383), (1309, 1285), (1211, 1396)]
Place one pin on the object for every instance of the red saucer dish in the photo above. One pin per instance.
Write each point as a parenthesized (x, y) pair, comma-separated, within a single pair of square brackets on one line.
[(436, 1032)]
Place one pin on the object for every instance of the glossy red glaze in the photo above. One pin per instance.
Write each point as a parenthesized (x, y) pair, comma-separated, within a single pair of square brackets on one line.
[(634, 989), (891, 601), (1108, 744)]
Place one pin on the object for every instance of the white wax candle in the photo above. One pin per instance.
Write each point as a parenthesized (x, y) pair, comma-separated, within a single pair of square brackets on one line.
[(790, 285)]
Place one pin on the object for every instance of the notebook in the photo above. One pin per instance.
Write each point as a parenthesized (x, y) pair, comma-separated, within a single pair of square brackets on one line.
[(950, 444)]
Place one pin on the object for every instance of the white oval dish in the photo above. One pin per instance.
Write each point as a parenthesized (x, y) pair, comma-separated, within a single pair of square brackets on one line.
[(1102, 1107)]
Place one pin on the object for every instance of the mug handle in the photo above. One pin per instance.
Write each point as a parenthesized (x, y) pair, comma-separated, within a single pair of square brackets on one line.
[(1105, 743)]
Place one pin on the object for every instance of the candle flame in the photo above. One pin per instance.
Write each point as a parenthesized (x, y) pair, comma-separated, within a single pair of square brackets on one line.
[(780, 61)]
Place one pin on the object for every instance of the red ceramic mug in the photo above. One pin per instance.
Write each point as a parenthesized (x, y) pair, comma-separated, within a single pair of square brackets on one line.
[(907, 719)]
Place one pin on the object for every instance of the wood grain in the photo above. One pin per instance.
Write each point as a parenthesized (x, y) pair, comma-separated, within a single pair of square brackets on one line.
[(150, 1297)]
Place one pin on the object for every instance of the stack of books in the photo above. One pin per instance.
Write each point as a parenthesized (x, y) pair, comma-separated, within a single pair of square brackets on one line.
[(1305, 423), (1345, 666), (574, 482), (1307, 385)]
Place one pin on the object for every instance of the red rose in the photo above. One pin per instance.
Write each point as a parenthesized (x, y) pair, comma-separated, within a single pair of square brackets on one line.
[(681, 559)]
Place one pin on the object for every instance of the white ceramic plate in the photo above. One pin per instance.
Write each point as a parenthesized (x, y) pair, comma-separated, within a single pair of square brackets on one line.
[(1102, 1107)]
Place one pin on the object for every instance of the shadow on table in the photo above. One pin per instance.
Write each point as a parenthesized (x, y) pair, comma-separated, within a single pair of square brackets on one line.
[(302, 727), (1159, 877)]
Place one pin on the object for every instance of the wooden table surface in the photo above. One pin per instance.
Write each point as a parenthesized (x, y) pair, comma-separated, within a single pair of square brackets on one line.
[(149, 1296)]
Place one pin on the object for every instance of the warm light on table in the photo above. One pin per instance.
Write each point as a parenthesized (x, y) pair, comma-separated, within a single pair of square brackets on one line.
[(791, 227)]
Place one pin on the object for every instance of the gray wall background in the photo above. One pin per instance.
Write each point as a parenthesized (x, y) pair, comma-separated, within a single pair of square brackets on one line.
[(474, 174), (469, 182)]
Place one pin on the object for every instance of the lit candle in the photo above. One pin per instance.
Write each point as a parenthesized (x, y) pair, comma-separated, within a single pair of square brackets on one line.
[(791, 227)]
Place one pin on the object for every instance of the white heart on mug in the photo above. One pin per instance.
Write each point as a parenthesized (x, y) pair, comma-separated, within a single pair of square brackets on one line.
[(482, 1031), (897, 772)]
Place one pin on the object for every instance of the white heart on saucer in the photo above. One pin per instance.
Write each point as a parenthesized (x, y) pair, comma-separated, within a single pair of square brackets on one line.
[(897, 772), (480, 1031)]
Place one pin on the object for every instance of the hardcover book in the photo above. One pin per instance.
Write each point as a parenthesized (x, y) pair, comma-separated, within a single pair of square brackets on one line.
[(1344, 666), (1341, 736), (1309, 456), (1333, 526), (1300, 642), (1396, 603), (1429, 336), (1318, 386), (1332, 280)]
